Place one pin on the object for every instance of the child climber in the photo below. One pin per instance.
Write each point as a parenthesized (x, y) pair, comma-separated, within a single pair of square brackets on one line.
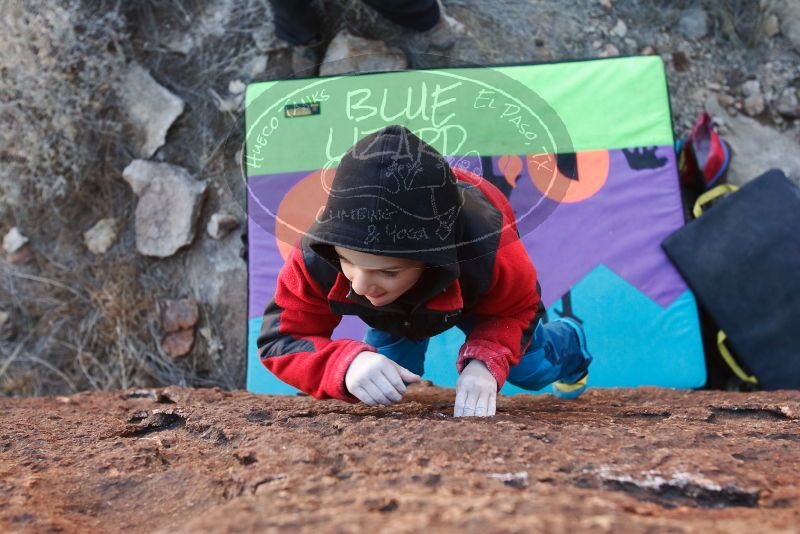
[(414, 247)]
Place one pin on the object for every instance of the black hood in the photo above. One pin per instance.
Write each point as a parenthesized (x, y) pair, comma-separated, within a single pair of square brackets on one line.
[(393, 195)]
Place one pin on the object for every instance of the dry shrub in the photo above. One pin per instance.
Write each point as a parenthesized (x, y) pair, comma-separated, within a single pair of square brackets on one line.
[(115, 323), (86, 322)]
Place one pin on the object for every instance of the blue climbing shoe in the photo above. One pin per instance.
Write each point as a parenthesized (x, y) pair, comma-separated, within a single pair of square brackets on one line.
[(573, 388), (562, 390)]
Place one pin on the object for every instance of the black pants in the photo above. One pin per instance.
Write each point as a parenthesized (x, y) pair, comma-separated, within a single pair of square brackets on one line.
[(298, 23)]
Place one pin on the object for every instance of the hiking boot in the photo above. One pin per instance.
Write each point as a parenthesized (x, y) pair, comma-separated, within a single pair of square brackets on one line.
[(572, 388), (305, 60), (446, 32)]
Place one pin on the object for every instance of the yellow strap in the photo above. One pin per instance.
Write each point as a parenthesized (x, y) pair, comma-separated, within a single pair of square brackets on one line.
[(711, 194), (728, 357)]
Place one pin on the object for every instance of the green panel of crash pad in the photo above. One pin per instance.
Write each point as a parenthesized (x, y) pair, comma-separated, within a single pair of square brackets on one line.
[(522, 109)]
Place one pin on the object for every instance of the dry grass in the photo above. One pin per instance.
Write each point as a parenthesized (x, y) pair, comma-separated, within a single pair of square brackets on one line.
[(86, 322)]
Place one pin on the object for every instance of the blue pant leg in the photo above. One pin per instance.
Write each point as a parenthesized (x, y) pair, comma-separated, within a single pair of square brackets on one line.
[(555, 354), (401, 350)]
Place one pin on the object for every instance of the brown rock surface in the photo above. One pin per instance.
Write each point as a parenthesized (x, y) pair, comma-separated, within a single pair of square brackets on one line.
[(183, 460)]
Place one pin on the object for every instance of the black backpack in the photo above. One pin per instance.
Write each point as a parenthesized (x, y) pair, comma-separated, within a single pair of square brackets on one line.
[(742, 260)]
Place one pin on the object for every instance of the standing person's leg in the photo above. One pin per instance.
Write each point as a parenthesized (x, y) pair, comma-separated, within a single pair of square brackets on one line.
[(422, 16), (403, 351), (296, 21), (419, 15)]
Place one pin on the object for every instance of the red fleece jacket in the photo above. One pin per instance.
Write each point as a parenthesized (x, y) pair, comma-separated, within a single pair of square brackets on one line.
[(503, 307)]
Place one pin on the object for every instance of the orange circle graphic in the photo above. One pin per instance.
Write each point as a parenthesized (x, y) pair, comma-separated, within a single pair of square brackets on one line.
[(298, 209), (592, 173)]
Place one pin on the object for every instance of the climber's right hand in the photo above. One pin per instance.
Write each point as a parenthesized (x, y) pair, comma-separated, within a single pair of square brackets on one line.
[(375, 379)]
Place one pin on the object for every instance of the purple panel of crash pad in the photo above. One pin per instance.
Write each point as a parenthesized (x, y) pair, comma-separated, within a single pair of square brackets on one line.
[(264, 263), (264, 195), (621, 226)]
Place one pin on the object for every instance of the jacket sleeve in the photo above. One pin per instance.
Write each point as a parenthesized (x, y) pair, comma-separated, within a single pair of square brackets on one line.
[(506, 314), (295, 340)]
